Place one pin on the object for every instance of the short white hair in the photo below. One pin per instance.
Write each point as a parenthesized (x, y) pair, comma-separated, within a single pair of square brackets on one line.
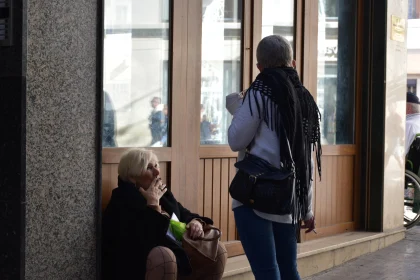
[(274, 51), (134, 162)]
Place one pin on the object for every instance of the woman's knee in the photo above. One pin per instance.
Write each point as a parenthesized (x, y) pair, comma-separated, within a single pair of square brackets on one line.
[(161, 264)]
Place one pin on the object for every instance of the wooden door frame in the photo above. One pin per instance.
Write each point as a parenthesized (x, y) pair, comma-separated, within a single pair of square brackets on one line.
[(185, 152)]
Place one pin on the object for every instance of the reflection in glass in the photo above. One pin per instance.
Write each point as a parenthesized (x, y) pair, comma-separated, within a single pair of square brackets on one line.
[(278, 18), (221, 66), (336, 70), (136, 73)]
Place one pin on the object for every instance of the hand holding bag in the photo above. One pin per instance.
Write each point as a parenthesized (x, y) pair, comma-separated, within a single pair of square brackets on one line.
[(203, 250)]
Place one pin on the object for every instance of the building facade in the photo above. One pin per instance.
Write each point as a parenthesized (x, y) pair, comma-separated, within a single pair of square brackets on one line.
[(82, 81)]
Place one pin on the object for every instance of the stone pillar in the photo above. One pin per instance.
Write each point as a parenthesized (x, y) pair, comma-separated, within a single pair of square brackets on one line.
[(395, 100), (12, 147), (61, 140)]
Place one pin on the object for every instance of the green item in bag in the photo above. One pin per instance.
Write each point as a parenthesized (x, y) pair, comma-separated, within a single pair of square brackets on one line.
[(177, 229)]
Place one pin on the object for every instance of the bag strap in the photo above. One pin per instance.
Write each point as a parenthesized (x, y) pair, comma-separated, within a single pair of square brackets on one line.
[(208, 228), (286, 144), (283, 138)]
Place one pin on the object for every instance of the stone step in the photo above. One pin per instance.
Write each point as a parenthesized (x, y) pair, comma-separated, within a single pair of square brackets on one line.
[(324, 253)]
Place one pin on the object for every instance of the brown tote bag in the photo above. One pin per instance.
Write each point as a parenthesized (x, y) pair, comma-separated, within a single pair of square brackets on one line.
[(202, 251)]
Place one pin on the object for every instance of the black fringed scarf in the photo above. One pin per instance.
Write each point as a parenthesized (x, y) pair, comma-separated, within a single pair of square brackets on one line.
[(290, 104)]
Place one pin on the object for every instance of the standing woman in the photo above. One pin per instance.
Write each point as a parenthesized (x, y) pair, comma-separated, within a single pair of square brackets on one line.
[(275, 97)]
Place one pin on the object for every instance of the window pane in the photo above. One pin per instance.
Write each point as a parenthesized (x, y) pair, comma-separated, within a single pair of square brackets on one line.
[(221, 66), (136, 73), (278, 18), (336, 70)]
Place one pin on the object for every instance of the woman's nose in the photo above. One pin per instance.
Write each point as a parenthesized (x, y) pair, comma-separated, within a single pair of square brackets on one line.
[(156, 171)]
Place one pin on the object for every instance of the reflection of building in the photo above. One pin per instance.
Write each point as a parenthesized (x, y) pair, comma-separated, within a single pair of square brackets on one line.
[(136, 66), (221, 64), (327, 72)]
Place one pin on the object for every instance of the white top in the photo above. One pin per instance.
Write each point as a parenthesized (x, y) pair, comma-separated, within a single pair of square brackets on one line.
[(412, 127), (245, 128)]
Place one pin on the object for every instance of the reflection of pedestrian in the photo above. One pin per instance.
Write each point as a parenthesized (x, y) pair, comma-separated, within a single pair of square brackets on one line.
[(165, 128), (395, 121), (412, 127), (156, 120), (205, 129), (108, 129)]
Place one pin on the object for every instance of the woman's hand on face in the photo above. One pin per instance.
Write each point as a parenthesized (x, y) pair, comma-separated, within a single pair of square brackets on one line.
[(154, 192), (195, 229)]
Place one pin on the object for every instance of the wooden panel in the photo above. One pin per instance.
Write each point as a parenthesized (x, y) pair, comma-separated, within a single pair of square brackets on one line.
[(208, 187), (231, 219), (349, 189), (214, 187), (222, 151), (339, 150), (113, 155), (323, 193), (234, 248), (216, 192), (334, 198), (200, 186), (335, 180), (224, 199), (192, 121), (178, 96), (340, 194), (186, 88)]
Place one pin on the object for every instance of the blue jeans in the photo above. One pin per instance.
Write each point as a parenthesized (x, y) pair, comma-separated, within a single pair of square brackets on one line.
[(270, 247)]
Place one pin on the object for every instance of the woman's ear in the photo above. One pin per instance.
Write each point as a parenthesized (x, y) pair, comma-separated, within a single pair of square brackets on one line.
[(294, 63)]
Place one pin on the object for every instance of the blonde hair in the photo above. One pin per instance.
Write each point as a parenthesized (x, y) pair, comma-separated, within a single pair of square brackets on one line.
[(134, 162)]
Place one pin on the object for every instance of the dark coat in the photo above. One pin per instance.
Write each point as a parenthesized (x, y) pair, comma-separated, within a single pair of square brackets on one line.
[(131, 230)]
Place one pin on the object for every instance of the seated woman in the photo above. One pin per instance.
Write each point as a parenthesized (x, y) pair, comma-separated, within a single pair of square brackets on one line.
[(136, 241)]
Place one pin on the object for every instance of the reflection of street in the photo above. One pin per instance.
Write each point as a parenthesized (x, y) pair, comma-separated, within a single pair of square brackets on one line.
[(108, 127), (220, 67)]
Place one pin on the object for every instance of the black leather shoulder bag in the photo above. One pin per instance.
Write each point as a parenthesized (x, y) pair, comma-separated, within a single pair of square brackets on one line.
[(264, 187)]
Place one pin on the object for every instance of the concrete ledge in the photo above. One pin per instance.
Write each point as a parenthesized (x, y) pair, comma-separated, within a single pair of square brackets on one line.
[(322, 254)]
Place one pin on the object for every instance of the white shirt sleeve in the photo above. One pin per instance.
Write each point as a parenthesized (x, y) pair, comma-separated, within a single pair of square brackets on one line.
[(244, 125)]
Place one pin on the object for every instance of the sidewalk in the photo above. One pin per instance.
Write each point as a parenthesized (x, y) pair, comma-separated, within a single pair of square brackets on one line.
[(400, 261)]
